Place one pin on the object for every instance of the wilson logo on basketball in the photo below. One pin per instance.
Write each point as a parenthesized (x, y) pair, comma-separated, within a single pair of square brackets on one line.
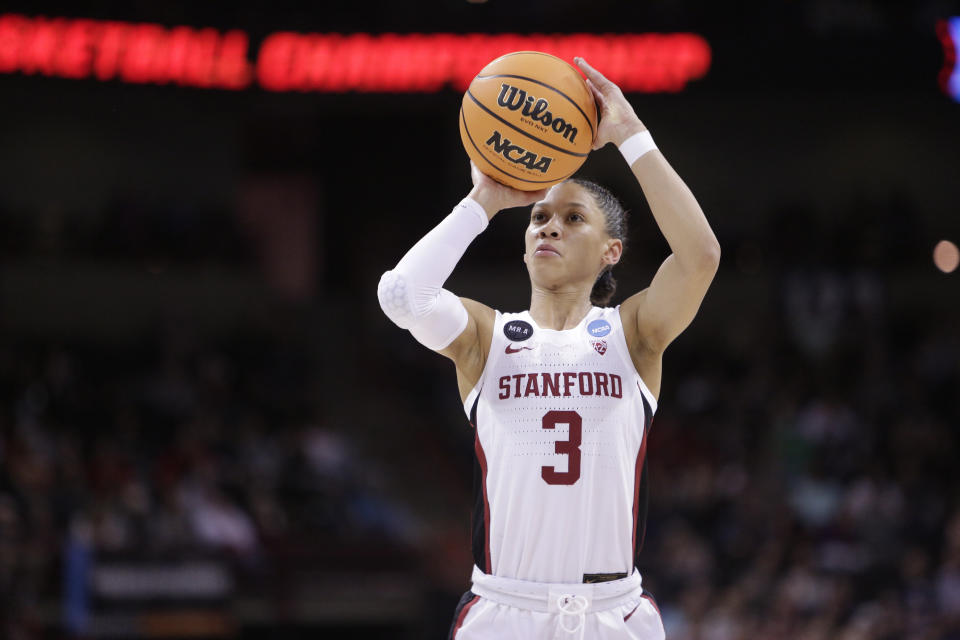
[(537, 109), (517, 154)]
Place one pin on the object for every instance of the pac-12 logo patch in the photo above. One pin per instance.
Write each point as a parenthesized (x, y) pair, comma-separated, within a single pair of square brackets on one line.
[(598, 328), (600, 346), (517, 330)]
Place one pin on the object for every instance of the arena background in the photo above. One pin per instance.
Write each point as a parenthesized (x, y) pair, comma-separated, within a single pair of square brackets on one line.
[(208, 428)]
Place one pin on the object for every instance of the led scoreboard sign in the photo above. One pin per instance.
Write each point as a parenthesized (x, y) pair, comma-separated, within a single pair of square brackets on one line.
[(949, 33), (286, 61)]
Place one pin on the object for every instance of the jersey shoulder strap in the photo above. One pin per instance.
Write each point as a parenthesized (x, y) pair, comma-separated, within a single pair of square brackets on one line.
[(471, 398), (624, 349)]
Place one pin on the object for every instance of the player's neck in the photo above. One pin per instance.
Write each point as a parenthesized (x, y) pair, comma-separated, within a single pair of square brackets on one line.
[(559, 310)]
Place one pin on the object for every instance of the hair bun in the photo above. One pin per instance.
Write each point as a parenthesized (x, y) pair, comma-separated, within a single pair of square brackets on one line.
[(603, 288)]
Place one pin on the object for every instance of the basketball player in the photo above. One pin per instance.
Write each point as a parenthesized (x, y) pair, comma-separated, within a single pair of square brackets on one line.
[(561, 396)]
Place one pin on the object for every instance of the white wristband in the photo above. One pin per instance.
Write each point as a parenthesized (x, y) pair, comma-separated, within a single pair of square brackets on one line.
[(636, 145)]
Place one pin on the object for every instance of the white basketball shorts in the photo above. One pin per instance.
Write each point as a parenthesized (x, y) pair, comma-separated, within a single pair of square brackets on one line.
[(505, 609)]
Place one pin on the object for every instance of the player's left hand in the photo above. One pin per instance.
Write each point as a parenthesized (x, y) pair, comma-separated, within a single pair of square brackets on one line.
[(618, 121)]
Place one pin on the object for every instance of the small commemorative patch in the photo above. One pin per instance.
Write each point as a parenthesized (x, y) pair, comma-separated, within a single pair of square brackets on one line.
[(517, 330), (598, 328), (600, 346)]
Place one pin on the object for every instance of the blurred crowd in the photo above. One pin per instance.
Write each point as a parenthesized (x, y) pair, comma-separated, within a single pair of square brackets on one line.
[(803, 476), (176, 450), (805, 484)]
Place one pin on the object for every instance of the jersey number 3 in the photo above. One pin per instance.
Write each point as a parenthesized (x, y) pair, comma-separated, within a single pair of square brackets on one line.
[(569, 447)]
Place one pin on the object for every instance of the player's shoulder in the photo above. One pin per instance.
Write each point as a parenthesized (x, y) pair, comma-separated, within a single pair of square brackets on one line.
[(479, 311), (631, 314), (631, 308)]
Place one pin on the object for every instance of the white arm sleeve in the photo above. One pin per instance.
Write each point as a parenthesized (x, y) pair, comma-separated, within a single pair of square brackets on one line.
[(411, 294)]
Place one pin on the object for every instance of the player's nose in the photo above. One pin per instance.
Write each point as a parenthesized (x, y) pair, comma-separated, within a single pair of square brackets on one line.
[(550, 229)]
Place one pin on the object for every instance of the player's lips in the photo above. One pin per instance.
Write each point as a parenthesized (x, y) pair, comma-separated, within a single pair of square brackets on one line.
[(545, 249)]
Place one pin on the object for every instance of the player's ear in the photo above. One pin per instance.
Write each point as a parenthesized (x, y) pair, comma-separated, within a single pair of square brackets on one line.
[(613, 251)]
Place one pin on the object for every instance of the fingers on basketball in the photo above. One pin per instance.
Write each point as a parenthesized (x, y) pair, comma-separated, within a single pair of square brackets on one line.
[(599, 80), (596, 93)]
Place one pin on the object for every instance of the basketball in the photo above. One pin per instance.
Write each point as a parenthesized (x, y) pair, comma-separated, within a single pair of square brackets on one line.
[(528, 120)]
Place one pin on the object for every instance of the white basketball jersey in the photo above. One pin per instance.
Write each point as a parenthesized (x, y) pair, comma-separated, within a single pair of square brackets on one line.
[(560, 419)]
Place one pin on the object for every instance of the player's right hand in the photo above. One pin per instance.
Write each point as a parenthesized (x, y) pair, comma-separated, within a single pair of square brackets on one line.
[(494, 197), (618, 120)]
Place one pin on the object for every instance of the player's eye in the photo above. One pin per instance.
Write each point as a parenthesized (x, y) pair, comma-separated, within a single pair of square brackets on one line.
[(538, 217), (576, 217)]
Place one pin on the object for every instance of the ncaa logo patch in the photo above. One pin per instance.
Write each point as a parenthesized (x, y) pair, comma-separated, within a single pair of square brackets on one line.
[(517, 330), (598, 328)]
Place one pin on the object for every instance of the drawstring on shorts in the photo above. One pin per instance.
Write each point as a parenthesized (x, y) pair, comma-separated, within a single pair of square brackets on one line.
[(570, 602), (572, 606)]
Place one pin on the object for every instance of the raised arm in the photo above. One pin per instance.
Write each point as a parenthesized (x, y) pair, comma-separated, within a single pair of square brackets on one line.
[(661, 312), (412, 294)]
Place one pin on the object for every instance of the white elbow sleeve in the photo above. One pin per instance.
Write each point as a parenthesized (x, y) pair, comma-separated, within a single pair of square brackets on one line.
[(412, 295), (443, 324), (434, 316), (393, 293)]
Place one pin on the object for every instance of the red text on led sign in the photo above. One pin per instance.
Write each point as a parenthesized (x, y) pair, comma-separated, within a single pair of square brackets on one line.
[(287, 61)]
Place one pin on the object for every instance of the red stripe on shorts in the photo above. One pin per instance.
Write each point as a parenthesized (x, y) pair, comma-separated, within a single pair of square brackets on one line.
[(645, 597), (655, 607), (463, 616)]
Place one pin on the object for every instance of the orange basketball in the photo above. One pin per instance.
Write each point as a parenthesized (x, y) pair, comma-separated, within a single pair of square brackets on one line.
[(528, 120)]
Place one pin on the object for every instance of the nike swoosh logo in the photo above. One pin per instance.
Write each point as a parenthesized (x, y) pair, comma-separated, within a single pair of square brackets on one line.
[(517, 350)]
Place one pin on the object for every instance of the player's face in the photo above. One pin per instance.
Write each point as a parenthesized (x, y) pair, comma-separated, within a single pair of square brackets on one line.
[(567, 242)]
